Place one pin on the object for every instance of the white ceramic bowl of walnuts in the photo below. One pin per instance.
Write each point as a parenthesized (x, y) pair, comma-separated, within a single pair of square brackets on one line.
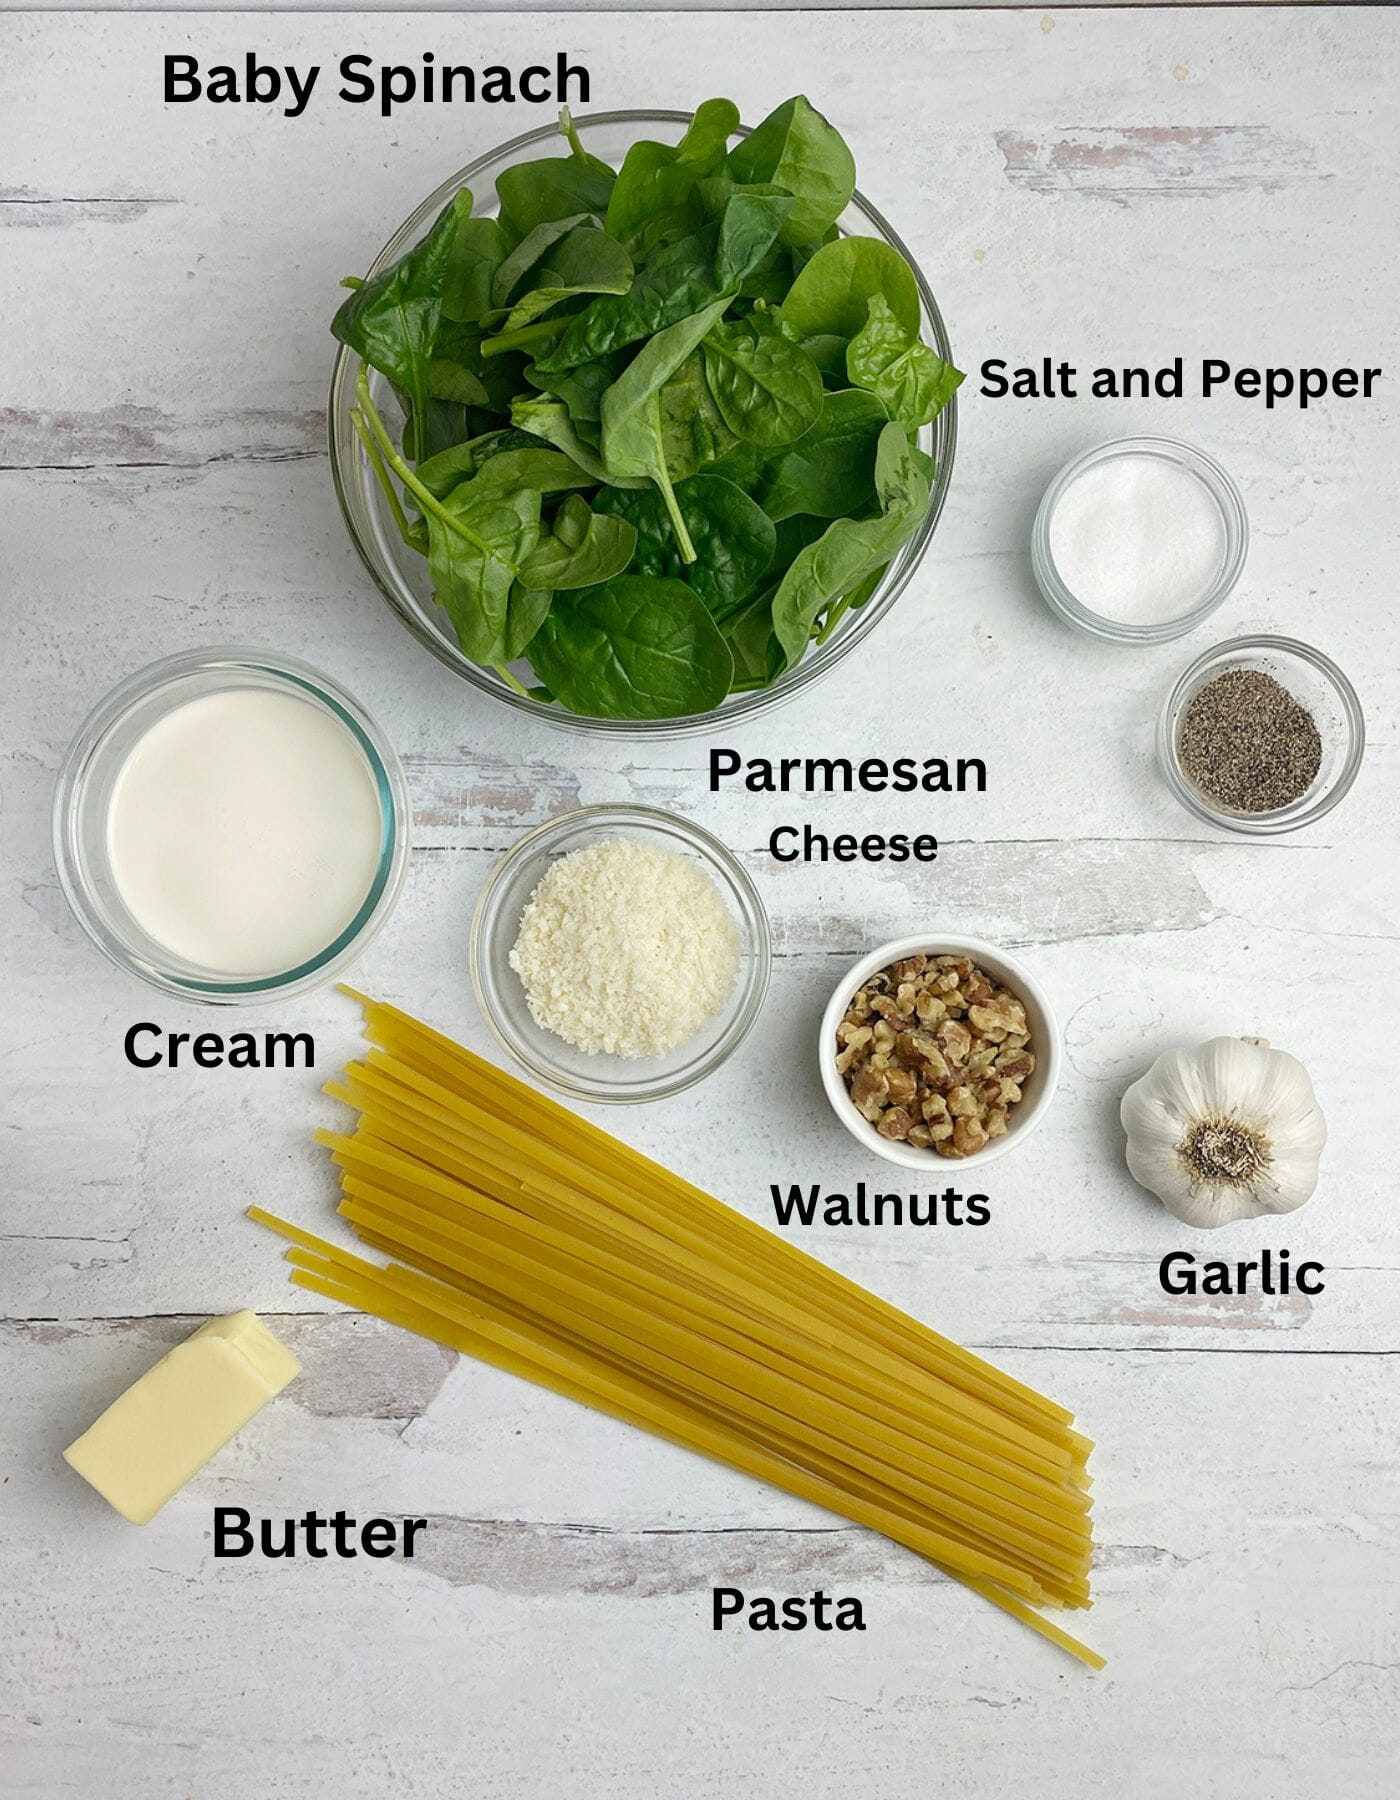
[(939, 1051)]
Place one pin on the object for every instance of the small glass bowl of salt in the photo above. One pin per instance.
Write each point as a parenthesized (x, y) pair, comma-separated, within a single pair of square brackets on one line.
[(1138, 541)]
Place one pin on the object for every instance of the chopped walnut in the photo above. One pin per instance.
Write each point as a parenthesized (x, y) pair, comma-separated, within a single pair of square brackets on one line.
[(997, 1020), (903, 1085), (930, 1008), (935, 1054), (868, 1092)]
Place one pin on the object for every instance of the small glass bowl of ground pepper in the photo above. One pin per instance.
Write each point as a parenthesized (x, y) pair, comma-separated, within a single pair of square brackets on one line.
[(1261, 735)]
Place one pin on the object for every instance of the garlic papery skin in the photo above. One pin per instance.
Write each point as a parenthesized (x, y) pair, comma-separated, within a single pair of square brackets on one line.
[(1229, 1130)]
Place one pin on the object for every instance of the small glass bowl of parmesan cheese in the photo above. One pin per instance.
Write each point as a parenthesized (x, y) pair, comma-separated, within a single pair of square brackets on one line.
[(620, 954)]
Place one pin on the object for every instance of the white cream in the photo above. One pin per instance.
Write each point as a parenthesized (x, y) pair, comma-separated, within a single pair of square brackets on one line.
[(244, 831)]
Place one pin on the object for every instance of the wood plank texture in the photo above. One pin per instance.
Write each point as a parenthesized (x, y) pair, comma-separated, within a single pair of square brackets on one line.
[(1101, 186)]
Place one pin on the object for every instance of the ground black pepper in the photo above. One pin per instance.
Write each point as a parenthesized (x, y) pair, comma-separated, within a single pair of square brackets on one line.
[(1248, 744)]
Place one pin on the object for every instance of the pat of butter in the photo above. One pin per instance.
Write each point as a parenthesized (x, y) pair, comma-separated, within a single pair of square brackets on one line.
[(167, 1425)]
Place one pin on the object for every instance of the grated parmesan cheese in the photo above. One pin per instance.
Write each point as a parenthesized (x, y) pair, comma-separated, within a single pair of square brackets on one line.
[(625, 948)]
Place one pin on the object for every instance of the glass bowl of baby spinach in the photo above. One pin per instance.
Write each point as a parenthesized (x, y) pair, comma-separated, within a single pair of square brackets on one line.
[(688, 417)]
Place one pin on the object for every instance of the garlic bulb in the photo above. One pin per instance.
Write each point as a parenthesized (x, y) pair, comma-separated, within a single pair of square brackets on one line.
[(1230, 1130)]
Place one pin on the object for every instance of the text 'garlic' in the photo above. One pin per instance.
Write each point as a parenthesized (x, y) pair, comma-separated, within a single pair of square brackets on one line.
[(1229, 1130)]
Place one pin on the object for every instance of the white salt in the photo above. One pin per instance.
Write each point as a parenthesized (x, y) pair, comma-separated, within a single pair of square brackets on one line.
[(1138, 539)]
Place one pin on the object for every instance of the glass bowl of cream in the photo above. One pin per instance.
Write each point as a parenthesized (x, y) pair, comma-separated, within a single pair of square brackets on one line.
[(1139, 540), (232, 826)]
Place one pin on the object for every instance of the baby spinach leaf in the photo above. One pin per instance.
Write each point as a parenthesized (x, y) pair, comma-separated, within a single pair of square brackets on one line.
[(802, 254), (525, 613), (479, 247), (549, 419), (461, 376), (794, 534), (441, 473), (758, 656), (572, 523), (832, 294), (633, 648), (767, 390), (552, 187), (584, 548), (444, 423), (499, 439), (850, 549), (454, 372), (716, 191), (707, 135), (733, 538), (392, 320), (693, 431), (451, 381), (851, 602), (528, 252), (477, 542), (658, 181), (828, 352), (741, 463), (913, 382), (766, 285), (546, 471), (580, 389), (631, 411), (587, 261), (477, 536), (748, 227), (830, 472), (672, 284), (798, 151)]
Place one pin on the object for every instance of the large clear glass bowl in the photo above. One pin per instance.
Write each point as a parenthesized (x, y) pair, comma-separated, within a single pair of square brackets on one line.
[(402, 576)]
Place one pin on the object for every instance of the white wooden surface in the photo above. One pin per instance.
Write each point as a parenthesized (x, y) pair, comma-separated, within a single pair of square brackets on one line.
[(536, 6), (164, 281)]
